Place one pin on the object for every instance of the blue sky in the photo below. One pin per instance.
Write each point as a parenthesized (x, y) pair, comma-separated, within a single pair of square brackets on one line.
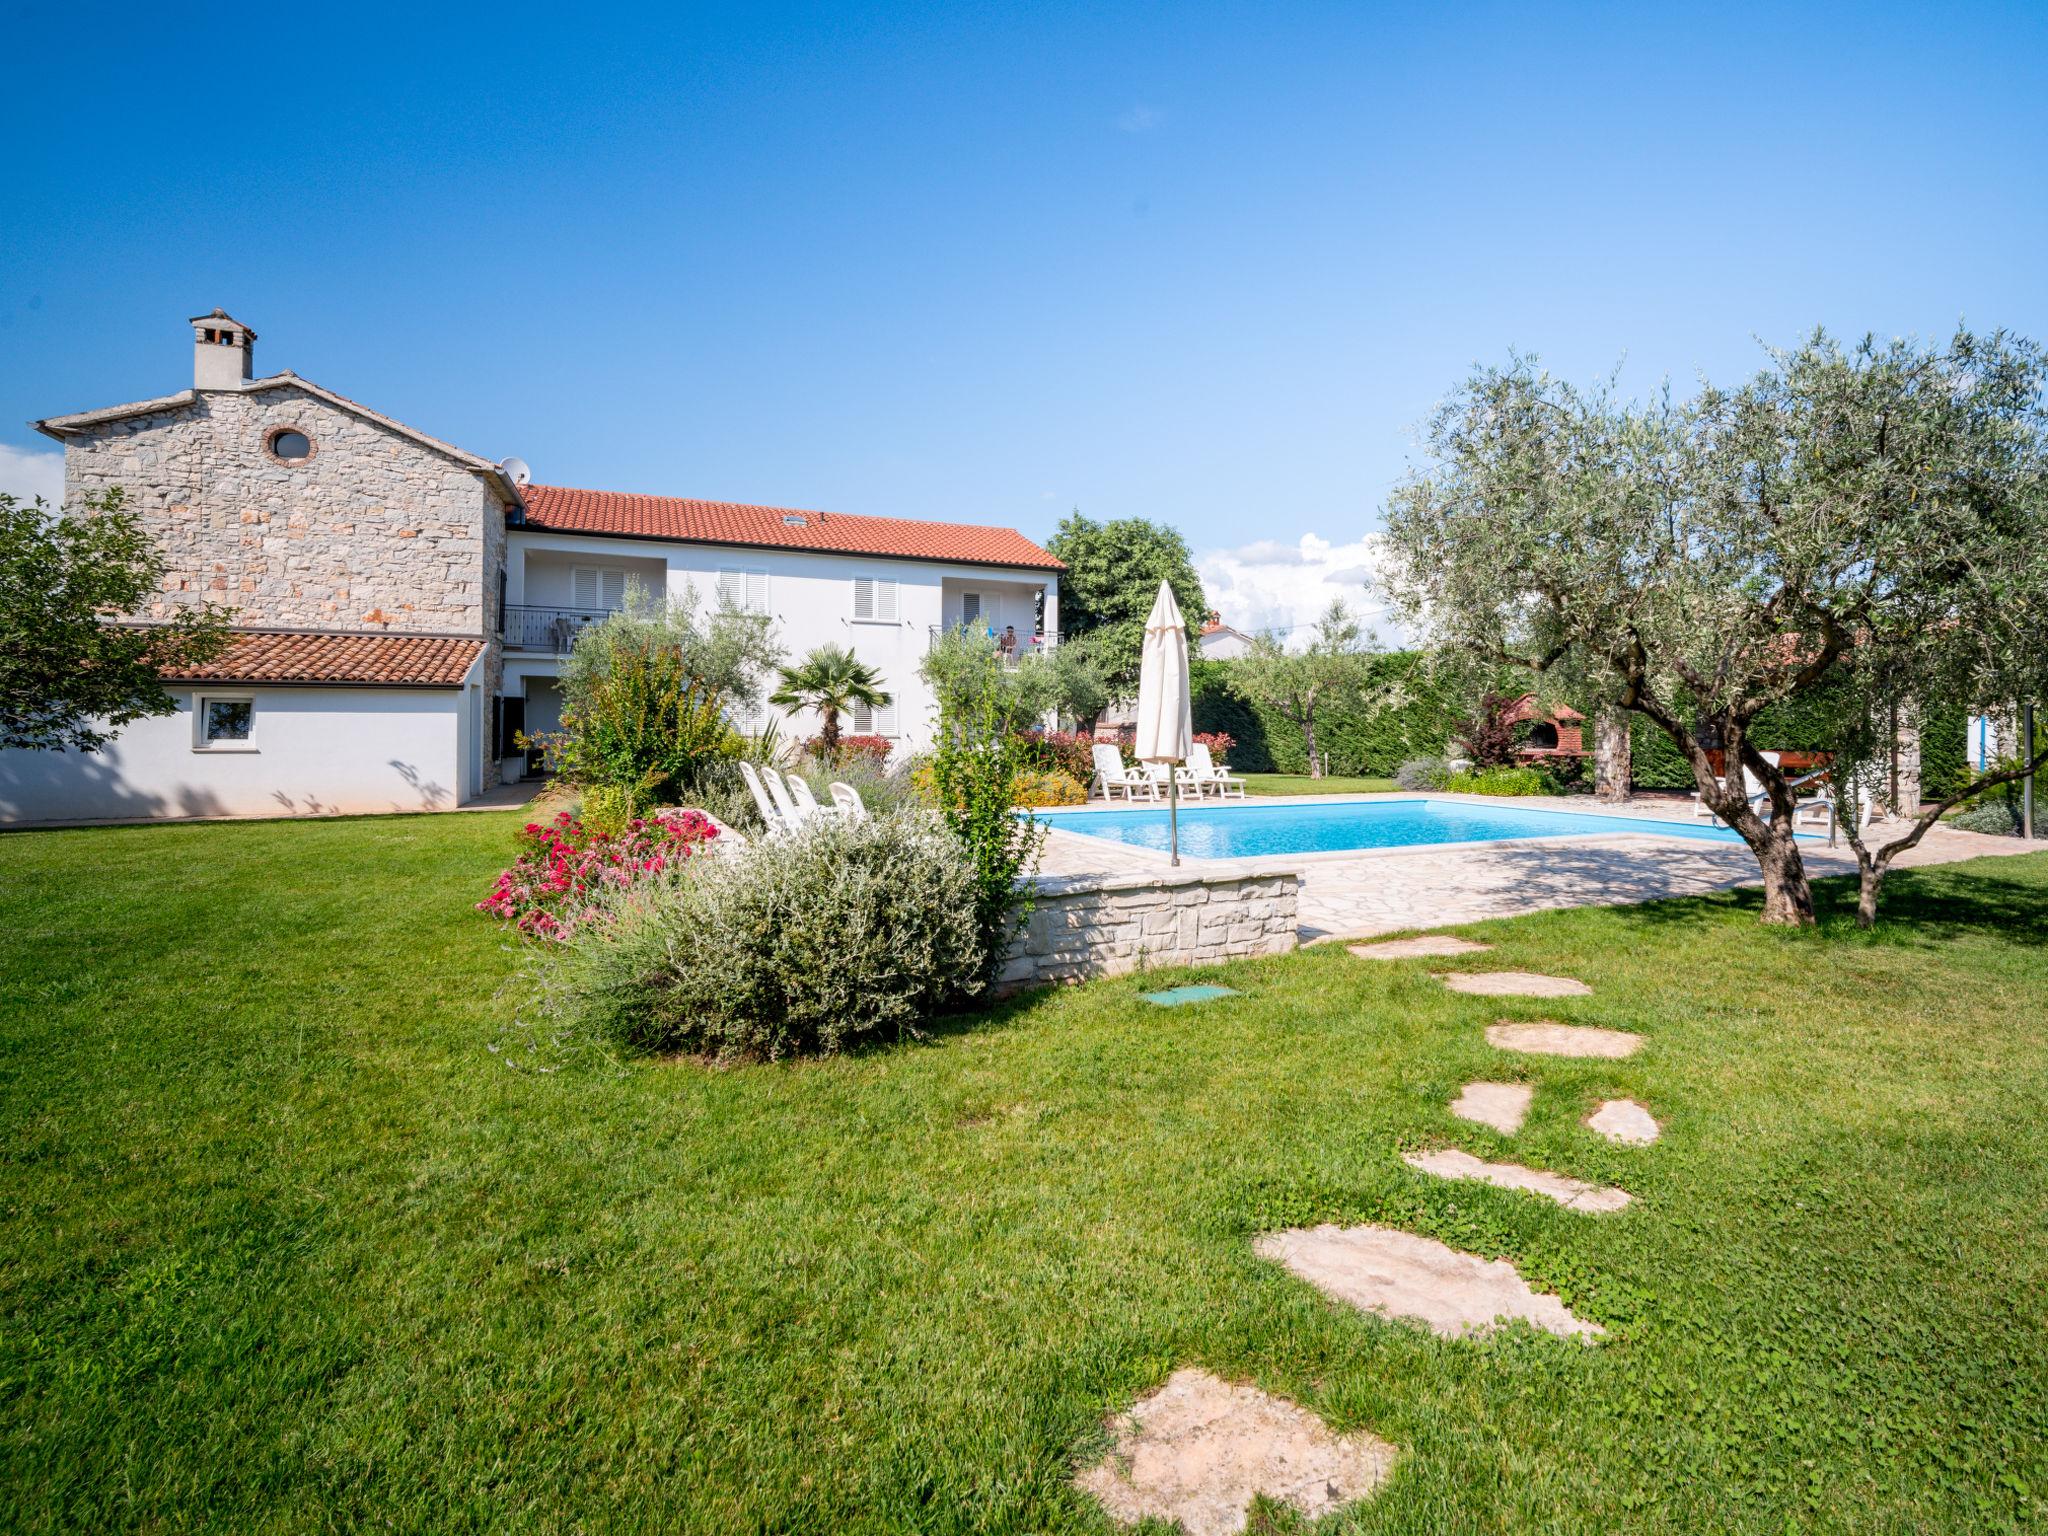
[(1204, 265)]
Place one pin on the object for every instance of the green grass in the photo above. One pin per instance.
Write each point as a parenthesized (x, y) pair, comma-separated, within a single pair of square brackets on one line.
[(1302, 784), (287, 1244)]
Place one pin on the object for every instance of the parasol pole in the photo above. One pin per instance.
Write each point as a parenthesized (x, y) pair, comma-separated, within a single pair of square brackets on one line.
[(1173, 811)]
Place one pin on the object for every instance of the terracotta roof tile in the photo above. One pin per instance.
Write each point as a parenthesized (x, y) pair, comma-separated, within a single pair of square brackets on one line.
[(407, 661), (565, 510)]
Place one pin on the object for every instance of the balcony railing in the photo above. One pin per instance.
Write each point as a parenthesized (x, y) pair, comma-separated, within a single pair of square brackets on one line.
[(552, 630), (1023, 645)]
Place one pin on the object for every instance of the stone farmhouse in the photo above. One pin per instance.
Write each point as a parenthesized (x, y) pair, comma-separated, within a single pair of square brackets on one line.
[(403, 607)]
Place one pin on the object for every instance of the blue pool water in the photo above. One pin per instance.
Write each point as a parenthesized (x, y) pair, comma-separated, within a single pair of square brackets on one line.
[(1240, 831)]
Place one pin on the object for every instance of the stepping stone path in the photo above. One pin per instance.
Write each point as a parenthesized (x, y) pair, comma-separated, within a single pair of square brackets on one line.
[(1625, 1121), (1504, 1106), (1429, 944), (1541, 1037), (1513, 984), (1200, 1448), (1572, 1194), (1399, 1274)]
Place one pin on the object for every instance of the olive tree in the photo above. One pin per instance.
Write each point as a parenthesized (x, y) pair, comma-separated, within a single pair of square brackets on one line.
[(1701, 562), (1334, 669), (1941, 455)]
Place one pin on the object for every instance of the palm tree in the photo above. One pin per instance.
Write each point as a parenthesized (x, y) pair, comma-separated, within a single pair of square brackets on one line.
[(830, 679)]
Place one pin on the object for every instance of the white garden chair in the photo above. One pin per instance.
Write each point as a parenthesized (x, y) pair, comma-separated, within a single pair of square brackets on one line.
[(1202, 767), (1156, 772), (771, 813), (806, 801), (785, 800), (1112, 775), (849, 802), (1752, 790)]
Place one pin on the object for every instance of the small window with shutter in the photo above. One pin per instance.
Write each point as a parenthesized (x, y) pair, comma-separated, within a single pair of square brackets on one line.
[(874, 600), (874, 722), (744, 590), (598, 587)]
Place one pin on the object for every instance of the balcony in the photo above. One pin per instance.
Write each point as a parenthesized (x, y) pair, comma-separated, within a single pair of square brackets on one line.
[(1027, 645), (551, 631)]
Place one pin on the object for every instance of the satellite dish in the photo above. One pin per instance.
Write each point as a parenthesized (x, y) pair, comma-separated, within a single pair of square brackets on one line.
[(516, 471)]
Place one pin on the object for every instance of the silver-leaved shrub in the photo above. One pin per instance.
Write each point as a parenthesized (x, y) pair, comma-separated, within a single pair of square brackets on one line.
[(844, 933)]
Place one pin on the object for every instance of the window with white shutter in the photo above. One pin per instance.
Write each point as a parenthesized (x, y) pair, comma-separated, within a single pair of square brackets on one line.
[(744, 590), (598, 586), (874, 599), (874, 722)]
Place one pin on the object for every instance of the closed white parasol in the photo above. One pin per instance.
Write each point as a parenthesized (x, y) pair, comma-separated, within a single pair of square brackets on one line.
[(1166, 730)]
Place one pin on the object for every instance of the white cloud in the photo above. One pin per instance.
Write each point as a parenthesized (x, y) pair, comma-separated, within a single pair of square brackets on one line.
[(1141, 120), (1267, 585), (26, 473)]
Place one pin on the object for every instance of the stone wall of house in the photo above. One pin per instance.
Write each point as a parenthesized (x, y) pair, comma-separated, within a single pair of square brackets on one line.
[(374, 532), (1107, 925)]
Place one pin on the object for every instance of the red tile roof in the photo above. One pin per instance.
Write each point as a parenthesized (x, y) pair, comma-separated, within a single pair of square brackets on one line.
[(724, 522), (398, 661)]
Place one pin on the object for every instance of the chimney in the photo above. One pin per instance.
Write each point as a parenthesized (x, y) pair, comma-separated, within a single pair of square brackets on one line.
[(223, 350)]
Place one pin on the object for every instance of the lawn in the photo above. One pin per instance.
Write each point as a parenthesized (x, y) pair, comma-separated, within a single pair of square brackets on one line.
[(1302, 784), (289, 1245)]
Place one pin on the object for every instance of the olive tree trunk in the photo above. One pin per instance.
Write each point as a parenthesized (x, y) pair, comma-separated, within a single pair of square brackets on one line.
[(1612, 764)]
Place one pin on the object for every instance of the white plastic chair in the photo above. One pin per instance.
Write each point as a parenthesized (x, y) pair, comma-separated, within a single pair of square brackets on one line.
[(849, 802), (771, 813), (806, 801), (1156, 772), (785, 802), (1112, 775), (1752, 790), (1202, 767)]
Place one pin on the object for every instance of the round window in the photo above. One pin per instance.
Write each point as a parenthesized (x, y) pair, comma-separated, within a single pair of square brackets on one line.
[(291, 445)]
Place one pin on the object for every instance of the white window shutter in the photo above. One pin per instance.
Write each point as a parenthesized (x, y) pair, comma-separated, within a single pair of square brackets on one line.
[(757, 591), (614, 594), (584, 582), (732, 589), (885, 600), (863, 597)]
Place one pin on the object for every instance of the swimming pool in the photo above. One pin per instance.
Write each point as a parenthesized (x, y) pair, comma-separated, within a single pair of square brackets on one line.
[(1243, 831)]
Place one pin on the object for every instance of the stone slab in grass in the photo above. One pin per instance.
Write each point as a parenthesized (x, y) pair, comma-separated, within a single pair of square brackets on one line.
[(1504, 1106), (1625, 1121), (1513, 984), (1199, 1449), (1429, 944), (1542, 1037), (1398, 1274), (1173, 997), (1572, 1194)]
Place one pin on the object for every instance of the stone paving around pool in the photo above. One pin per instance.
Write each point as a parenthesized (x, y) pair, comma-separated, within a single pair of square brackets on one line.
[(1360, 895)]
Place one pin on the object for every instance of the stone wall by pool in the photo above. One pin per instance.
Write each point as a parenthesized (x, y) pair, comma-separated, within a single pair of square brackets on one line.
[(1109, 925)]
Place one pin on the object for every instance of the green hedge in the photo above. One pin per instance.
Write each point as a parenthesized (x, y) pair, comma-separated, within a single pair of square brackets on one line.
[(1377, 742), (1360, 743)]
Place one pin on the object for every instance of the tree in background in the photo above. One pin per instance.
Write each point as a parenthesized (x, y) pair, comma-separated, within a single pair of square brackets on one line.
[(69, 678), (831, 679), (1113, 574), (963, 665), (1335, 668), (1942, 455), (1704, 563), (647, 692), (977, 759)]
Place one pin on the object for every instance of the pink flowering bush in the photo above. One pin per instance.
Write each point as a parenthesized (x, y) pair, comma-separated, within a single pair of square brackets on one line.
[(563, 865)]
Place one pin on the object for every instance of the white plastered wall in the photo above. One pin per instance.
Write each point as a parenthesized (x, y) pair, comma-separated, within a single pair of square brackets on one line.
[(311, 751)]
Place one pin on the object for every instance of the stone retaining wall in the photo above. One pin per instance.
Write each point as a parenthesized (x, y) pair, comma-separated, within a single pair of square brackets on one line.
[(1108, 925)]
